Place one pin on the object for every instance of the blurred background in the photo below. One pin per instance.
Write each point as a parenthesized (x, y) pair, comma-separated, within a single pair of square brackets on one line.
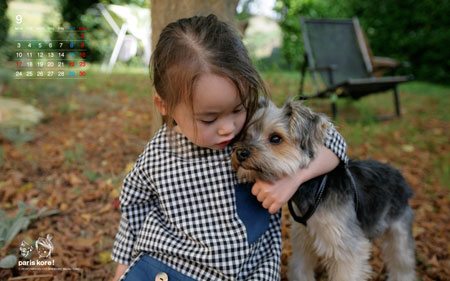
[(66, 144)]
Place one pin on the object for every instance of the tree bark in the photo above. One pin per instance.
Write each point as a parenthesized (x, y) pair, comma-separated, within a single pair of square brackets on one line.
[(164, 12)]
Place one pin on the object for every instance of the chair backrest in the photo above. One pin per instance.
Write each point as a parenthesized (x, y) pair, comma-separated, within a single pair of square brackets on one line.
[(337, 43)]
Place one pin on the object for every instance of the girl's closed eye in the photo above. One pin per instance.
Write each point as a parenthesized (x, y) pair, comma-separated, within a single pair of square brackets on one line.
[(239, 109), (208, 121)]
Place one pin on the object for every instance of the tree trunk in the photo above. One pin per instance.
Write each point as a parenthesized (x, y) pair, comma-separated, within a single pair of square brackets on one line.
[(164, 12)]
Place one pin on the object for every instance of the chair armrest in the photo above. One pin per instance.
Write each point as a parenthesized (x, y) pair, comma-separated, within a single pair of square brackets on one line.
[(383, 65), (384, 62)]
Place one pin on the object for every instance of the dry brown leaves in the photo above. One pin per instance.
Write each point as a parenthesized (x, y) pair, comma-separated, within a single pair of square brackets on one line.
[(78, 161)]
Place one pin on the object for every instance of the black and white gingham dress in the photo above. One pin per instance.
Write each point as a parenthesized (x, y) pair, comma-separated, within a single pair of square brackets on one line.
[(178, 205)]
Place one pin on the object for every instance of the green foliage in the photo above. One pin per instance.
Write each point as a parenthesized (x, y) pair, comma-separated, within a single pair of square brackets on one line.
[(415, 31), (243, 12), (4, 22), (82, 13), (49, 2), (91, 175), (71, 10), (290, 12), (10, 227), (6, 75), (75, 155)]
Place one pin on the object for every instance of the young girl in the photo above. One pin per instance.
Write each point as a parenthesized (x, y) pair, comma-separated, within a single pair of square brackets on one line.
[(184, 215)]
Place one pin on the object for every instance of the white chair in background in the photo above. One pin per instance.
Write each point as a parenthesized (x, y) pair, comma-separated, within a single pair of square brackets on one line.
[(136, 22)]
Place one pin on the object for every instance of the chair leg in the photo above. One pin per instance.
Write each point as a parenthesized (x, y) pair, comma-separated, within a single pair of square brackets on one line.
[(397, 102), (302, 78), (334, 110)]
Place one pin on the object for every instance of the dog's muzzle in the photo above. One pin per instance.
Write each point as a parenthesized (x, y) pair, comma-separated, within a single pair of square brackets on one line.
[(242, 154)]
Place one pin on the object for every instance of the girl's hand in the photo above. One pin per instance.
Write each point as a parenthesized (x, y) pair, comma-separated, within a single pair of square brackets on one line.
[(120, 270), (274, 195)]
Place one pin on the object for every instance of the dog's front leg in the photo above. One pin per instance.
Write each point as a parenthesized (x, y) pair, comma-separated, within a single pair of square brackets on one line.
[(303, 259), (351, 262), (341, 242)]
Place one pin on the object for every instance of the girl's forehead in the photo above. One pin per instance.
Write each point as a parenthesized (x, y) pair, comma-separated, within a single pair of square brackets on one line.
[(213, 92)]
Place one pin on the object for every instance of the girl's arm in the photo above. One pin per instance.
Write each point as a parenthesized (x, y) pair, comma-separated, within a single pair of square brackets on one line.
[(274, 195), (121, 268)]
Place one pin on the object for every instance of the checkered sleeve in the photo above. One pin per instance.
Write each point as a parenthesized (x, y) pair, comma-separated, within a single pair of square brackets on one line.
[(123, 244), (336, 143), (135, 204)]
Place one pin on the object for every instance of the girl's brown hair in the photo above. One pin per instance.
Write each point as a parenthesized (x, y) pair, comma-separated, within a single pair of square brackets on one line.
[(192, 46)]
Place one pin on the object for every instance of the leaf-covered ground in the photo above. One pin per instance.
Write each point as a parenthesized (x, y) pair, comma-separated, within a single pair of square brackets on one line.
[(94, 130)]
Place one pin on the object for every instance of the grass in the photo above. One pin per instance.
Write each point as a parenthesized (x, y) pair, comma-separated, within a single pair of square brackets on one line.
[(75, 155), (422, 129)]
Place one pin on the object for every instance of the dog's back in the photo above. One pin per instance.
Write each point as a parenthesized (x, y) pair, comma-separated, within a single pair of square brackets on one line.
[(381, 193)]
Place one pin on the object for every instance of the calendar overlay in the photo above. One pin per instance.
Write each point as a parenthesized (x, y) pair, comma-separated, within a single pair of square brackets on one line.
[(52, 59)]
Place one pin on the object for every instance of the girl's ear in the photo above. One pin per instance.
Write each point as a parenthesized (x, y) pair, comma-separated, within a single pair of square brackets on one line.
[(160, 104)]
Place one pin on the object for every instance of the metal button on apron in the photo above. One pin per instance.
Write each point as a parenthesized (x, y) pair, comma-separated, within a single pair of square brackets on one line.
[(162, 276)]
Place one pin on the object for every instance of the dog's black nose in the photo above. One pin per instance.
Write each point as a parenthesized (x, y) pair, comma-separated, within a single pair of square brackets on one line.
[(242, 154)]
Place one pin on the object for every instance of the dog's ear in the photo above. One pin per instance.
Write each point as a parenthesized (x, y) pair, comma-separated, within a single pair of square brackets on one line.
[(306, 127), (263, 102), (264, 105)]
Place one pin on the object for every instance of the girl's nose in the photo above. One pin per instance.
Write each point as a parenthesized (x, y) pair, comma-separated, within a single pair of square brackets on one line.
[(226, 128)]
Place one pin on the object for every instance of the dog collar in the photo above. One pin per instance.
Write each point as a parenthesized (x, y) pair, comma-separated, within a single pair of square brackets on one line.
[(354, 188), (319, 194), (304, 219)]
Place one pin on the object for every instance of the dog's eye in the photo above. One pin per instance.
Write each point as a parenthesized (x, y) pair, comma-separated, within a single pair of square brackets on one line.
[(275, 139)]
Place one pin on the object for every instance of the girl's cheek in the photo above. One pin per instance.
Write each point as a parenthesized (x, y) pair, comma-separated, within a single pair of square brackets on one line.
[(242, 119)]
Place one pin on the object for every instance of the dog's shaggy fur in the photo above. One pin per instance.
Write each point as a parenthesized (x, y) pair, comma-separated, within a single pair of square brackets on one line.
[(278, 142)]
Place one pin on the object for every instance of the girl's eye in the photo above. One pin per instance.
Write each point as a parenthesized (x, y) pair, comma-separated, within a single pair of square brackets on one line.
[(208, 121), (239, 109)]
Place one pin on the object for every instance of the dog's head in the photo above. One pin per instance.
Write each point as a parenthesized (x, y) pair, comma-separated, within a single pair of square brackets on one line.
[(278, 141)]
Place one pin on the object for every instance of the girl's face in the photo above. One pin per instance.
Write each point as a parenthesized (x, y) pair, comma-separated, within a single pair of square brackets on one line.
[(218, 114)]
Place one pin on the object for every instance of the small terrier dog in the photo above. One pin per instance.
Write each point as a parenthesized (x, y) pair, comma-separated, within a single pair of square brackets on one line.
[(359, 202)]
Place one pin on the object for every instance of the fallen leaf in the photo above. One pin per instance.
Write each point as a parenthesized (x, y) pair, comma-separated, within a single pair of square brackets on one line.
[(86, 217), (105, 209), (129, 167), (114, 194), (63, 206), (26, 187), (86, 242), (104, 257), (417, 230), (433, 261), (75, 180), (408, 148), (116, 204)]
